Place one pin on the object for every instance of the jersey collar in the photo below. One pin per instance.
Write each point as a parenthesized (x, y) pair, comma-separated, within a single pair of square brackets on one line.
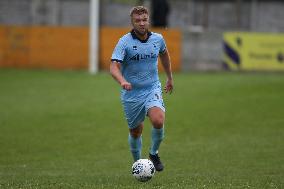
[(134, 36)]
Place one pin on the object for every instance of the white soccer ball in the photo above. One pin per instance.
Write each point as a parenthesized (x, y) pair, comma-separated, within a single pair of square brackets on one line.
[(143, 170)]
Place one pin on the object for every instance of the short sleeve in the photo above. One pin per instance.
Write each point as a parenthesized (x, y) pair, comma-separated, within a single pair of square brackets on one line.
[(162, 45), (119, 51)]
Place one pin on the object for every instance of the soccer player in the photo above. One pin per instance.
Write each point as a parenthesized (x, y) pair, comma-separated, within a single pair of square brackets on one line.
[(134, 65)]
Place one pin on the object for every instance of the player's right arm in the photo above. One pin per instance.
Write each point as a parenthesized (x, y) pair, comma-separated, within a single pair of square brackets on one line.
[(117, 58), (116, 74)]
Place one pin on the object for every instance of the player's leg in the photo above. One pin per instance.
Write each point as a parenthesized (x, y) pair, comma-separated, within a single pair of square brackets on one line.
[(157, 117), (135, 141), (135, 114), (156, 114)]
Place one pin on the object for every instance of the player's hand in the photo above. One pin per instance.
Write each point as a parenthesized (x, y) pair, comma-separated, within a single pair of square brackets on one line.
[(169, 86), (125, 85)]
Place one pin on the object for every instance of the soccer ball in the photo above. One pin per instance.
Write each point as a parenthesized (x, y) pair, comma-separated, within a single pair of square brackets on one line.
[(143, 170)]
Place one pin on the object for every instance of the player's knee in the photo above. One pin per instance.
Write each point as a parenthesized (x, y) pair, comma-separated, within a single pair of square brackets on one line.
[(158, 121), (136, 133)]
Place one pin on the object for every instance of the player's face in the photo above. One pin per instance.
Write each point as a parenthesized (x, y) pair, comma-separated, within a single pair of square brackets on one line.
[(140, 23)]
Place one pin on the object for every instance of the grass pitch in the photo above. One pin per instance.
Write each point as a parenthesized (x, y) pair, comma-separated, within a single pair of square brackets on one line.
[(67, 130)]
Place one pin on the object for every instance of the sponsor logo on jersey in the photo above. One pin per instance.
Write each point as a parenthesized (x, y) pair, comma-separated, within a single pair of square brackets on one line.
[(138, 56)]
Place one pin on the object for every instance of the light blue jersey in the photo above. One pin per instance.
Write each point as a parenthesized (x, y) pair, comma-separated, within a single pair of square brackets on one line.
[(139, 66), (139, 59)]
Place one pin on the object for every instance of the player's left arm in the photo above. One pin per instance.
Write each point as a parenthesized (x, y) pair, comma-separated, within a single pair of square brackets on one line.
[(166, 62)]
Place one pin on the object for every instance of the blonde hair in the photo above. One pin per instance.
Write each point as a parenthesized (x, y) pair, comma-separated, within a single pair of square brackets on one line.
[(139, 10)]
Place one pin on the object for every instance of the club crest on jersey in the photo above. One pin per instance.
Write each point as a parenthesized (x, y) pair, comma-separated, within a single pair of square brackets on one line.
[(134, 47), (138, 56)]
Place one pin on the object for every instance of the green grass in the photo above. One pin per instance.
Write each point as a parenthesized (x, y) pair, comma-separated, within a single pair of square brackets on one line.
[(67, 130)]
